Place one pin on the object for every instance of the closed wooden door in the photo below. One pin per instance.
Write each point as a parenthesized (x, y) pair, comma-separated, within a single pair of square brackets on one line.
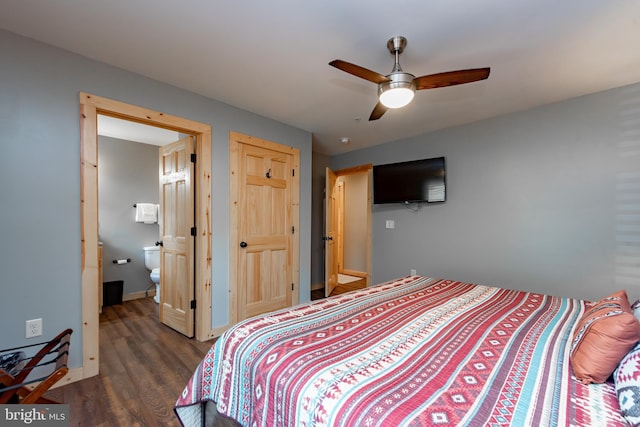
[(330, 233), (177, 250), (266, 226)]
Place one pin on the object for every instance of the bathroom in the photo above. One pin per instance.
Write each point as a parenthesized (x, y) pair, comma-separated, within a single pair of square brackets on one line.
[(127, 176)]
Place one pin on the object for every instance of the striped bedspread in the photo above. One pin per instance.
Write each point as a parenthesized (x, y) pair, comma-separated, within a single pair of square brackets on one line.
[(413, 352)]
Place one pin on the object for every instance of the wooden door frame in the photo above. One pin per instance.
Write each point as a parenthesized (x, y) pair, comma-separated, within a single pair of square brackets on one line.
[(90, 107), (235, 139)]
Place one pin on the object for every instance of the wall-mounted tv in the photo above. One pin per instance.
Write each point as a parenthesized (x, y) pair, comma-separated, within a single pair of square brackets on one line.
[(416, 181)]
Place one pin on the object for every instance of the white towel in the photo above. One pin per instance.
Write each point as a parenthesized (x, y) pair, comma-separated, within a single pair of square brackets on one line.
[(147, 213)]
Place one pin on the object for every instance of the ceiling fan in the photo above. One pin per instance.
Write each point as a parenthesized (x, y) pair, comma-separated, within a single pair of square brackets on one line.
[(397, 88)]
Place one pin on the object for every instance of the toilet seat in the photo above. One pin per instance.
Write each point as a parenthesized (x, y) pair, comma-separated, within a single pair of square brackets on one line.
[(155, 275)]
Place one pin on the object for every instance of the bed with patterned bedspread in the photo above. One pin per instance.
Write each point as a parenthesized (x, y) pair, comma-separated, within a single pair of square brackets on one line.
[(412, 352)]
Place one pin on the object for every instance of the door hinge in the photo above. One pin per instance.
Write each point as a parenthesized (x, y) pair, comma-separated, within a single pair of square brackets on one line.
[(193, 304), (193, 157), (293, 230), (293, 172), (193, 231), (292, 286)]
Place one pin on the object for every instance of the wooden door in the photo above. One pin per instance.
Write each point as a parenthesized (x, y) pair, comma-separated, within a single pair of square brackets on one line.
[(176, 222), (330, 234), (265, 229)]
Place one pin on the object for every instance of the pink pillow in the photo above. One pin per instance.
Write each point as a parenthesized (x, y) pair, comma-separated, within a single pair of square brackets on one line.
[(603, 336)]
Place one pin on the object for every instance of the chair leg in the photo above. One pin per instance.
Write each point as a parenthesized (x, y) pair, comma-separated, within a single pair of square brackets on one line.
[(34, 396)]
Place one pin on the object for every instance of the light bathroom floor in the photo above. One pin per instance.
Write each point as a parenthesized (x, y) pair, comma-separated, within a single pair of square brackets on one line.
[(343, 279)]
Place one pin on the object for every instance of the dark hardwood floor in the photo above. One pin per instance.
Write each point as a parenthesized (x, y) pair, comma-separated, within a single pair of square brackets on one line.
[(144, 366), (317, 294)]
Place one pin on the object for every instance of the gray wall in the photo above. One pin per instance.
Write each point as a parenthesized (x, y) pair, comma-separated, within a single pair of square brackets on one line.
[(40, 146), (127, 174), (546, 200)]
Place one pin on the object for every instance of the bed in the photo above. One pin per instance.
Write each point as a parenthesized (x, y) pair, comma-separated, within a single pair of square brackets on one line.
[(415, 351)]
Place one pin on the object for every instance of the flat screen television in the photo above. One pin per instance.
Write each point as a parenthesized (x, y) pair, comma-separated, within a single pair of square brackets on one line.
[(417, 181)]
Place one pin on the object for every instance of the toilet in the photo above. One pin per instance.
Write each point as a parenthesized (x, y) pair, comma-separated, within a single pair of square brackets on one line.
[(152, 262)]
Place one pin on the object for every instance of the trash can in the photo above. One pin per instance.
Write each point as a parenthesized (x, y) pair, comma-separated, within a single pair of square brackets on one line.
[(112, 292)]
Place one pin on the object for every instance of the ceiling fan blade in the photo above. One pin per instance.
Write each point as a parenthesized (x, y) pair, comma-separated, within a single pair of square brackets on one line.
[(358, 71), (451, 78), (378, 111)]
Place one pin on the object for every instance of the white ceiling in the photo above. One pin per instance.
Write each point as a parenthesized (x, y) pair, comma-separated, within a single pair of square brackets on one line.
[(132, 131), (270, 57)]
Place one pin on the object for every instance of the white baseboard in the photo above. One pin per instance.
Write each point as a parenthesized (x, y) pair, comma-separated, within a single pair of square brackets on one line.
[(139, 295), (355, 273)]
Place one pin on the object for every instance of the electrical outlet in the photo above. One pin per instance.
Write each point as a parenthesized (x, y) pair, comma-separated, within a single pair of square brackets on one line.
[(34, 328), (413, 272)]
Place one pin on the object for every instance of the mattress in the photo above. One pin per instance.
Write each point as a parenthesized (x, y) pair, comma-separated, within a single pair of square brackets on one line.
[(415, 351)]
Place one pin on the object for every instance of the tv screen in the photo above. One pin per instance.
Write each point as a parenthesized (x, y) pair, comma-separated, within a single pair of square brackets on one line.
[(410, 182)]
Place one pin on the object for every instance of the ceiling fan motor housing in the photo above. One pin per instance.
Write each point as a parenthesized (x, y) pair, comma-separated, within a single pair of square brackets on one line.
[(396, 44)]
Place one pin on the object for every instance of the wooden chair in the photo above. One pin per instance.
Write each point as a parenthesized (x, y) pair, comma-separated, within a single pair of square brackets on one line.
[(13, 384)]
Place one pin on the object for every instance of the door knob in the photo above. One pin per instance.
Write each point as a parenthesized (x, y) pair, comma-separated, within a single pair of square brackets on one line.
[(243, 244), (159, 243)]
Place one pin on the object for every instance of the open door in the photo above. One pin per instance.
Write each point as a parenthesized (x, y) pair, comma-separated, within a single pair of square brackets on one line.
[(330, 218), (177, 303)]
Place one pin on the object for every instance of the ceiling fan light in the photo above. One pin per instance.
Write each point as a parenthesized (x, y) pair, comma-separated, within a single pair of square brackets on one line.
[(396, 97), (398, 91)]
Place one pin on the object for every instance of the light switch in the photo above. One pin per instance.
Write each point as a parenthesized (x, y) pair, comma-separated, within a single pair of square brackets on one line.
[(390, 224)]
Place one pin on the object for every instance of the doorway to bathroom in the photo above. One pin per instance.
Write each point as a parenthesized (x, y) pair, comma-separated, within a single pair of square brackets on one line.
[(90, 107), (145, 217)]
